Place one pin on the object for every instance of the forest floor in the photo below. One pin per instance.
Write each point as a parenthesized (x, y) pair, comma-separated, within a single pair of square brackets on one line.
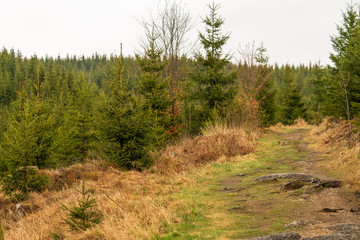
[(224, 202)]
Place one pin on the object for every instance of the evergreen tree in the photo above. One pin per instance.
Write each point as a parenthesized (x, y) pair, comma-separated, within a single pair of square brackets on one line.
[(84, 136), (292, 105), (344, 89), (267, 98), (21, 148), (320, 88), (76, 137), (267, 93), (84, 215), (46, 123), (215, 90), (154, 88), (126, 127)]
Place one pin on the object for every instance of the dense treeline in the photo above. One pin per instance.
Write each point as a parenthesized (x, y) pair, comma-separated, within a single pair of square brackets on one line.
[(58, 111), (55, 112)]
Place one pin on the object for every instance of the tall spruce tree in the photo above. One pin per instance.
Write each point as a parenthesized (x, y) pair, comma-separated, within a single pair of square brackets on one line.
[(46, 123), (76, 137), (320, 89), (267, 92), (126, 126), (292, 104), (23, 146), (215, 90), (344, 91), (84, 136), (155, 88)]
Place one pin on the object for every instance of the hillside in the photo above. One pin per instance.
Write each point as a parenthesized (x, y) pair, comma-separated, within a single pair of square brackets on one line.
[(198, 199)]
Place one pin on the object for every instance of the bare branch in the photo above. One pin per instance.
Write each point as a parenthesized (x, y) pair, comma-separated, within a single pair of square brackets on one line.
[(172, 23)]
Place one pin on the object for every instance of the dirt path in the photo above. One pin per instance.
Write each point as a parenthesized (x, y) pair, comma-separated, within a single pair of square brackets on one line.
[(228, 204), (324, 207)]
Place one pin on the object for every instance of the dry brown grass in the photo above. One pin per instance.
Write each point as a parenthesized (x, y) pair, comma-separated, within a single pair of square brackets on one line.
[(299, 123), (135, 204), (216, 141), (277, 127), (342, 148)]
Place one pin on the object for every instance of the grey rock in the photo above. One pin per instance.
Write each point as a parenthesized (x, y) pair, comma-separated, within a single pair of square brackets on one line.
[(22, 209), (345, 231), (345, 228), (281, 236), (325, 184), (339, 236), (297, 223), (173, 154), (282, 143), (296, 176)]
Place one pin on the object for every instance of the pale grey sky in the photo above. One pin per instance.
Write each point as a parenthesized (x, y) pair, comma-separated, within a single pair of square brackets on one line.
[(293, 31)]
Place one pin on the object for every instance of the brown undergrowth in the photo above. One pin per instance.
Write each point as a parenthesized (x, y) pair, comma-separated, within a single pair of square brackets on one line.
[(135, 205), (342, 148), (299, 123), (215, 142)]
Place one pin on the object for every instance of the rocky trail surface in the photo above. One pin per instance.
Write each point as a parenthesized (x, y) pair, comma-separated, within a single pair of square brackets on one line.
[(326, 211), (280, 192)]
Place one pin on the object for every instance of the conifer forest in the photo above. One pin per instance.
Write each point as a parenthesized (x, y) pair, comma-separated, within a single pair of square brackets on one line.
[(124, 110), (59, 111)]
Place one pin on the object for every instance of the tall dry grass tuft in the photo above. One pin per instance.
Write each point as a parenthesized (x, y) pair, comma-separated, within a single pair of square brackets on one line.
[(277, 127), (135, 205), (216, 141), (342, 148), (299, 123)]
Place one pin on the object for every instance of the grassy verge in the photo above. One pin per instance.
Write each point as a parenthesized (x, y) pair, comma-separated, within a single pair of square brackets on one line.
[(342, 148)]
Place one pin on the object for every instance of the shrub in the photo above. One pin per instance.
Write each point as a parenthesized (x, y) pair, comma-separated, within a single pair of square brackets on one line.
[(23, 180)]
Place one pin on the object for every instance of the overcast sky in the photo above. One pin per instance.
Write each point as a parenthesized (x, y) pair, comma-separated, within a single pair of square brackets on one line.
[(293, 31)]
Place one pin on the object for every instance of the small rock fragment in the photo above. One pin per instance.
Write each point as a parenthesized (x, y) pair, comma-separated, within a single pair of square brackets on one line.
[(357, 194), (354, 210), (297, 223), (241, 200), (331, 209), (236, 208)]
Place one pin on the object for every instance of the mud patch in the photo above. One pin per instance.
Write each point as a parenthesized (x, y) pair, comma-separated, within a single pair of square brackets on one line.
[(232, 181)]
